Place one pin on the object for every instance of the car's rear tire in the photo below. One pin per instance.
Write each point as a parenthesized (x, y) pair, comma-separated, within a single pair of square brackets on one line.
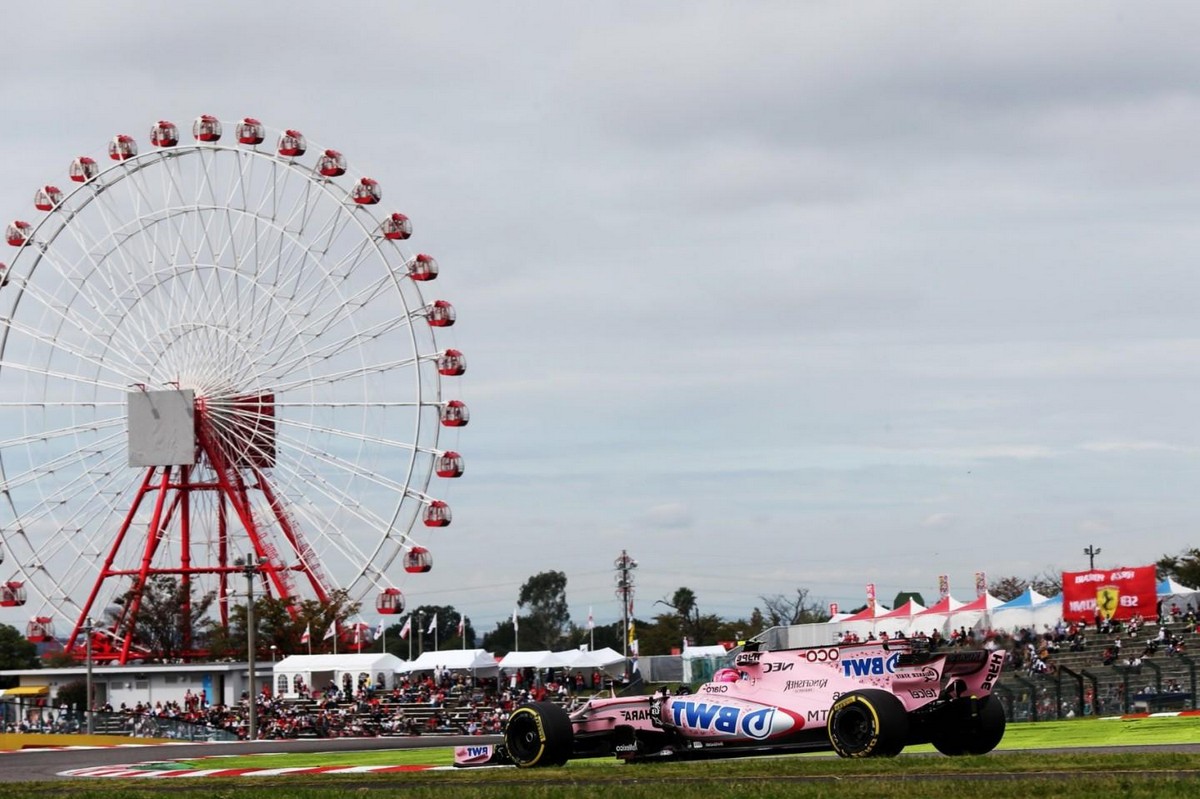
[(867, 723), (969, 727), (539, 734)]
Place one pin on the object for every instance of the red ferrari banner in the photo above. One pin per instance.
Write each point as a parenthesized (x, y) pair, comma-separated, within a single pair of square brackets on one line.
[(1113, 594)]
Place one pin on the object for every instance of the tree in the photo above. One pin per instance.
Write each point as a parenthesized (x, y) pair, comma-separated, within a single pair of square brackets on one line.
[(544, 595), (1007, 588), (281, 622), (72, 695), (1048, 583), (166, 610), (688, 622), (784, 611), (16, 651), (1184, 567)]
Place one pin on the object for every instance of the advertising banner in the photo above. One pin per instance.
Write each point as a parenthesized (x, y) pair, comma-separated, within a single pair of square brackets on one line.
[(1114, 593), (980, 584)]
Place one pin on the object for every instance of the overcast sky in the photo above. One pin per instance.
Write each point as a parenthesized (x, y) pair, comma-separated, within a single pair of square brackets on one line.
[(771, 295)]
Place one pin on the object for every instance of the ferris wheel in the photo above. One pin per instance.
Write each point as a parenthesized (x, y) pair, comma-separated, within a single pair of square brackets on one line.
[(216, 353)]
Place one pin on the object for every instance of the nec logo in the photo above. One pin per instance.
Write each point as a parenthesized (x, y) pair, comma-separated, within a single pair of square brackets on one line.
[(723, 719), (770, 667), (872, 666)]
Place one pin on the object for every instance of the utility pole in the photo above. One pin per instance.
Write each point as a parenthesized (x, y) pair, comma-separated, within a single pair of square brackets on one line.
[(1091, 552), (249, 566), (91, 719), (624, 579)]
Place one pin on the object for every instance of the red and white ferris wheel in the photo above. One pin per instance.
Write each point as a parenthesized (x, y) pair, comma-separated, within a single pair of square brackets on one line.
[(215, 349)]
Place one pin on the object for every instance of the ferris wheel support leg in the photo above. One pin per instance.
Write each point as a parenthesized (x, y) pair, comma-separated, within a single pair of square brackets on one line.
[(223, 559), (130, 613), (106, 569), (299, 546), (185, 560)]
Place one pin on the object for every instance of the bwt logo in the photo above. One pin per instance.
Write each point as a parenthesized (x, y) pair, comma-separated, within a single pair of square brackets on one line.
[(723, 719), (874, 666), (479, 751)]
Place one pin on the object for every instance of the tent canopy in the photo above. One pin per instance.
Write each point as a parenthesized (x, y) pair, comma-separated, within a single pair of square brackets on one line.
[(369, 661), (1171, 586), (533, 659), (946, 604), (473, 660)]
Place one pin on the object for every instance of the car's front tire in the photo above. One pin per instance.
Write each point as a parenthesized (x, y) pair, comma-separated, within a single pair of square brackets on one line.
[(539, 734), (867, 723)]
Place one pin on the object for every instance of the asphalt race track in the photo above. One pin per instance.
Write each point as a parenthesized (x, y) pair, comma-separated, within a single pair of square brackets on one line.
[(45, 764)]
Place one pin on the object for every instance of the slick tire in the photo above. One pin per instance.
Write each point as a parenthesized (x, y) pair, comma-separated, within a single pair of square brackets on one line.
[(970, 727), (539, 734), (867, 723)]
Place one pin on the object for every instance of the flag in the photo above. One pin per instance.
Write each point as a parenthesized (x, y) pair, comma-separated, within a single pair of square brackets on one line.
[(304, 639), (407, 628), (632, 634), (515, 619), (461, 624), (358, 634), (432, 625), (331, 632), (379, 630), (591, 620)]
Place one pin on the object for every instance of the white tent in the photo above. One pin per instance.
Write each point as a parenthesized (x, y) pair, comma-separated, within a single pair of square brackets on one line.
[(606, 659), (716, 650), (346, 671), (476, 661), (1170, 592), (533, 659)]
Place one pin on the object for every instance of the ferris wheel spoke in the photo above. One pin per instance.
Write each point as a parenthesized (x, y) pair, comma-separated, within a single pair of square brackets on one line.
[(331, 378), (90, 325), (60, 464), (62, 432), (350, 511), (341, 465), (334, 348), (362, 438)]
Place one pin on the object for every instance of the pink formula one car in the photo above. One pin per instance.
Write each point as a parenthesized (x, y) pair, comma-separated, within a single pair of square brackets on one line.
[(860, 700)]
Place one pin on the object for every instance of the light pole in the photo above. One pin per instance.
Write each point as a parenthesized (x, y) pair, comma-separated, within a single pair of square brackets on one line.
[(1091, 552), (624, 579), (87, 710), (273, 649), (249, 567)]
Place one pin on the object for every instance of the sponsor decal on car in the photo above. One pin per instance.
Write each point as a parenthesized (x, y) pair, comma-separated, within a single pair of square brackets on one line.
[(926, 674), (770, 667), (993, 671), (472, 755), (804, 685), (731, 721), (870, 666)]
